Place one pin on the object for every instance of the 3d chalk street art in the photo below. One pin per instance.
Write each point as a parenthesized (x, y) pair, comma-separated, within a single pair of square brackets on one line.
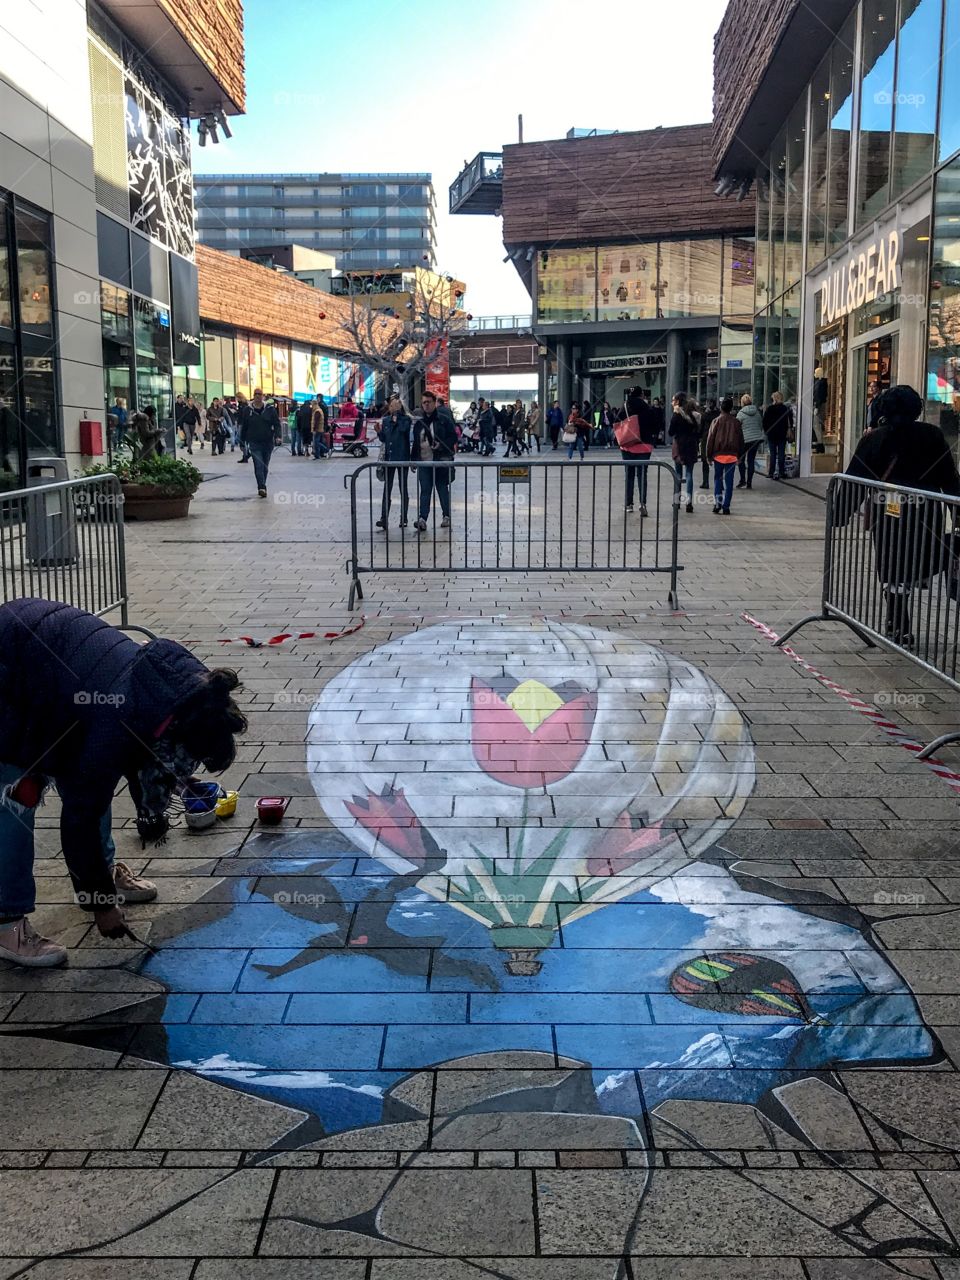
[(525, 863)]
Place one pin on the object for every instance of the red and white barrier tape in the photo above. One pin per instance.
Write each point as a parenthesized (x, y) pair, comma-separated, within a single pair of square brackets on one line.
[(252, 643), (903, 739)]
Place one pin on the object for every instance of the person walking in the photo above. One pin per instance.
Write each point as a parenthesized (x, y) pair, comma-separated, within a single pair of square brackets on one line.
[(777, 425), (873, 406), (605, 429), (707, 419), (555, 423), (218, 432), (119, 412), (230, 422), (116, 709), (300, 428), (751, 421), (487, 424), (243, 404), (433, 440), (260, 434), (534, 427), (908, 537), (685, 433), (318, 429), (634, 434), (659, 419), (725, 447), (395, 432), (575, 432), (586, 413), (516, 444)]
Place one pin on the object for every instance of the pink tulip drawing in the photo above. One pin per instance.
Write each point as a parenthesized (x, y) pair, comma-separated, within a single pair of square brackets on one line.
[(532, 737)]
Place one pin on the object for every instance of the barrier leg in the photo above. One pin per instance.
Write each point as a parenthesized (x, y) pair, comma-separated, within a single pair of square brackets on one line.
[(936, 744), (824, 617), (356, 592)]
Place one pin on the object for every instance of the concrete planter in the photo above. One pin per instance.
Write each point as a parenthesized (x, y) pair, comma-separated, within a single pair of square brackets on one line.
[(151, 502)]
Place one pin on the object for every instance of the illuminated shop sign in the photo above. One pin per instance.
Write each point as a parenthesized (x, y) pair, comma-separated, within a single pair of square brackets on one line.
[(866, 275)]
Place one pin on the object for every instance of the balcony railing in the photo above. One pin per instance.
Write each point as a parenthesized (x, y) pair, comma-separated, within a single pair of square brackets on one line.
[(479, 187), (475, 359), (479, 323)]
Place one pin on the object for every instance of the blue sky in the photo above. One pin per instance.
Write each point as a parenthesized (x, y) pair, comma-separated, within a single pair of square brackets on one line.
[(426, 84)]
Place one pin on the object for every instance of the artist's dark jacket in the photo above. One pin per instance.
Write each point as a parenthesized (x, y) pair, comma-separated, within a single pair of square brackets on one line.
[(81, 703)]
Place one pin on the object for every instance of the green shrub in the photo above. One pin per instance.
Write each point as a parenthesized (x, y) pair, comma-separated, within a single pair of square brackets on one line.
[(172, 477)]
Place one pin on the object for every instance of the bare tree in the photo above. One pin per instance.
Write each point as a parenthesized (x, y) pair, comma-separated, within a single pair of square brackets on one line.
[(401, 345)]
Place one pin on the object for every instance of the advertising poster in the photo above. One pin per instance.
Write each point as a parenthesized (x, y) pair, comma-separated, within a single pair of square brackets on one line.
[(281, 371), (438, 370), (243, 367)]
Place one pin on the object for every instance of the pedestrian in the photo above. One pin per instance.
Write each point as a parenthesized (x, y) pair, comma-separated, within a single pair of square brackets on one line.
[(487, 423), (218, 432), (555, 423), (302, 435), (200, 425), (516, 431), (707, 419), (873, 406), (243, 405), (659, 419), (684, 431), (149, 713), (318, 429), (433, 441), (607, 418), (586, 412), (751, 420), (635, 435), (908, 537), (575, 432), (119, 413), (348, 411), (260, 433), (725, 447), (777, 425), (230, 422), (189, 422), (534, 426), (395, 432)]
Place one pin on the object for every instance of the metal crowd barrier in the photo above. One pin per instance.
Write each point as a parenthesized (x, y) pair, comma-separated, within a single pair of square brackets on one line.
[(516, 516), (64, 541), (891, 573)]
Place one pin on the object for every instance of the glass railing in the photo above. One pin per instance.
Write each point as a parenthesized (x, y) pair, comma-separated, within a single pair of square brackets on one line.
[(500, 322), (486, 167)]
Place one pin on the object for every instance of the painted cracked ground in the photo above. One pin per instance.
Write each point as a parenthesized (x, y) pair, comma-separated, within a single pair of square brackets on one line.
[(504, 876)]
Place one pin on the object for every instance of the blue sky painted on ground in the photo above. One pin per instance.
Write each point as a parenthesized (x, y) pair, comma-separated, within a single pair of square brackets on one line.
[(424, 85)]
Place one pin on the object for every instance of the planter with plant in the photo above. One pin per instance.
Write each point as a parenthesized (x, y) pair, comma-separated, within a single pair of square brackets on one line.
[(158, 487)]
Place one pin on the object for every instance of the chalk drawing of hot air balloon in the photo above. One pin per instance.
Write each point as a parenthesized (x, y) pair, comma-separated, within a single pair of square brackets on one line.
[(534, 771)]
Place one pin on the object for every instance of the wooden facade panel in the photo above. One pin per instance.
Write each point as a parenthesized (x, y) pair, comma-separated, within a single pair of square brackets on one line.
[(621, 187), (214, 31), (243, 295), (742, 50)]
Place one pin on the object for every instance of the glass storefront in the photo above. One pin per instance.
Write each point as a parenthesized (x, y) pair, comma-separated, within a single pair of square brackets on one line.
[(29, 407), (669, 279)]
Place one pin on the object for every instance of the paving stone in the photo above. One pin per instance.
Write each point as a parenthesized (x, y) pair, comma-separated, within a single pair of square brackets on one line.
[(98, 1269), (645, 1268), (717, 1125), (583, 1211), (190, 1212), (192, 1112), (507, 1268), (521, 1129), (93, 1107), (273, 1269), (824, 1115)]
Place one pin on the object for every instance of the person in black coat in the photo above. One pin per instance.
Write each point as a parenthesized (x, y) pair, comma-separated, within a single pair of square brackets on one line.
[(434, 439), (908, 537), (259, 433), (301, 438), (777, 424), (83, 706), (395, 432)]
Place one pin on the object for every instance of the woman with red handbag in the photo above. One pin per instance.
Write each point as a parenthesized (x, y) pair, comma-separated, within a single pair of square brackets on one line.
[(635, 435)]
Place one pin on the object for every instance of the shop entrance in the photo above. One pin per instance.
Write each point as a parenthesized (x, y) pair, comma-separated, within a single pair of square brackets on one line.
[(829, 377), (874, 370)]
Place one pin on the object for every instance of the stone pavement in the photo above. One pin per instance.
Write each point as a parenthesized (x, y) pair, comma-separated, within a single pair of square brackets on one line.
[(599, 940)]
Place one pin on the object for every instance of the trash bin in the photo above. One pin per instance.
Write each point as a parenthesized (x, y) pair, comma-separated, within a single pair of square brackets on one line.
[(51, 519)]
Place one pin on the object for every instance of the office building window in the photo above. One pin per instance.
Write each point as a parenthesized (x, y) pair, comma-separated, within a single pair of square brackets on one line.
[(915, 106), (878, 64)]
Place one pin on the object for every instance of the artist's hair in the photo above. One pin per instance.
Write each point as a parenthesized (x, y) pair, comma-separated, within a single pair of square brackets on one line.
[(208, 722)]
